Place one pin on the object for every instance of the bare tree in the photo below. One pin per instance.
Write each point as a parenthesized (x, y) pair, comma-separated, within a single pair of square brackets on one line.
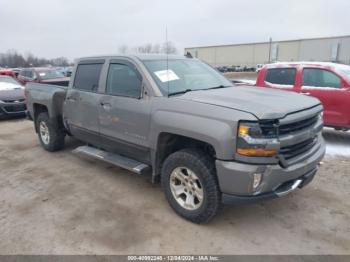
[(166, 48), (13, 59), (123, 49), (169, 48), (156, 49), (144, 49)]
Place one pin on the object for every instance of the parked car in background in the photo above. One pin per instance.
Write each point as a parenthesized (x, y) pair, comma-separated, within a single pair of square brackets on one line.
[(69, 71), (329, 82), (182, 123), (222, 69), (8, 72), (12, 100), (66, 71), (43, 75), (258, 67)]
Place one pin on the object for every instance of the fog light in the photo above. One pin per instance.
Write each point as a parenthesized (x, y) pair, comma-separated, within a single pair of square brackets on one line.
[(256, 180)]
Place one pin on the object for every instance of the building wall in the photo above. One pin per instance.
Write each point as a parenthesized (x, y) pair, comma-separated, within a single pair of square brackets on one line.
[(320, 49)]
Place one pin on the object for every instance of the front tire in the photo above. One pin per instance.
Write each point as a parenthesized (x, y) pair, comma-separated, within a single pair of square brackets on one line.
[(190, 185), (51, 137)]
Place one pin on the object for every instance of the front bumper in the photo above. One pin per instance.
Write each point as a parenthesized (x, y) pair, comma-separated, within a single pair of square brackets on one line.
[(12, 109), (281, 191), (236, 179)]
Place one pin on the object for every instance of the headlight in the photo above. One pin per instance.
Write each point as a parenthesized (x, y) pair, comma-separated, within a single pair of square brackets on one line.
[(320, 116), (255, 141)]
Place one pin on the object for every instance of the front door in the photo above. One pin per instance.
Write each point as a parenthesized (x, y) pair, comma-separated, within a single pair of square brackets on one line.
[(328, 88), (124, 113), (281, 78)]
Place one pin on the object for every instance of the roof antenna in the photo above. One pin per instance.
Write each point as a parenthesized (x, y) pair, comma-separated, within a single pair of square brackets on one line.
[(167, 55)]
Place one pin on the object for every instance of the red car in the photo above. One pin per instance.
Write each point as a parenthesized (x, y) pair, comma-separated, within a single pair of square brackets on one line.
[(329, 82), (43, 75), (8, 72)]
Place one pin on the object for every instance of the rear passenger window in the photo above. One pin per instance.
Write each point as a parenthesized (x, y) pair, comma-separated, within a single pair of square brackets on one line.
[(281, 76), (87, 77), (123, 81), (320, 78)]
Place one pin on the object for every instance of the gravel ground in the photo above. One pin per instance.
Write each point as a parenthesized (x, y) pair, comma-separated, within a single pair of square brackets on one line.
[(59, 203)]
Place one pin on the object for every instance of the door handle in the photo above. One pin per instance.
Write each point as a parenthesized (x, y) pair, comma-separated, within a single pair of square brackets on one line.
[(106, 105), (305, 93), (69, 98)]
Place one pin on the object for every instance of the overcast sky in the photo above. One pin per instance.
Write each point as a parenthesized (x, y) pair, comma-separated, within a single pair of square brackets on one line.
[(74, 28)]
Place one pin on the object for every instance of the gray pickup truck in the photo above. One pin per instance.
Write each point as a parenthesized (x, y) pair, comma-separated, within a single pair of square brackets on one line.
[(185, 125)]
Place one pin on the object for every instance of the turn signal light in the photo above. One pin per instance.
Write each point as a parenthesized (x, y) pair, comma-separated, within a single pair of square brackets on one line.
[(257, 152), (243, 130)]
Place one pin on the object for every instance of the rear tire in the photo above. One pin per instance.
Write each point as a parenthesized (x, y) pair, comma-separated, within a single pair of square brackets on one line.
[(50, 135), (190, 185)]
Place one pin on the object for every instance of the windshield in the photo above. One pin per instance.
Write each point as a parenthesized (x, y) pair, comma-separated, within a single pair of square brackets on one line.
[(50, 74), (184, 75), (7, 79)]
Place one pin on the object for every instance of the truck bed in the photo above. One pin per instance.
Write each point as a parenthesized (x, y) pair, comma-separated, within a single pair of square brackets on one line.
[(50, 96)]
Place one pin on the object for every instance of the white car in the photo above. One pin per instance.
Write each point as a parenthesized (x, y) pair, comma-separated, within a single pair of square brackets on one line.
[(12, 99)]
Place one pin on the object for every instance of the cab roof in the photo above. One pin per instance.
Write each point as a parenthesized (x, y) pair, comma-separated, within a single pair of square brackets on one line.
[(142, 57)]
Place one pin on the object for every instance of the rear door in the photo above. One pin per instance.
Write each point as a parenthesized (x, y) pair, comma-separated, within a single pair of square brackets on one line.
[(328, 87), (82, 101), (124, 112), (281, 78)]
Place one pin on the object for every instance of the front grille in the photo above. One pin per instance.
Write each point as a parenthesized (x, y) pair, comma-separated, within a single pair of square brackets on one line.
[(15, 108), (294, 150), (297, 126), (273, 128)]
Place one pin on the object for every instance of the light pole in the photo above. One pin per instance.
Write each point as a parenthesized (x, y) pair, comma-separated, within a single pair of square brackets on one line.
[(270, 45)]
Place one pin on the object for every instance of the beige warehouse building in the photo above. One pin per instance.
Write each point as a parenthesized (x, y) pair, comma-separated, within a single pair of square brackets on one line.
[(327, 49)]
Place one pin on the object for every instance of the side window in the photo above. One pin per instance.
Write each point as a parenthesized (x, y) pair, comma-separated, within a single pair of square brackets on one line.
[(22, 73), (281, 76), (87, 77), (30, 74), (123, 81), (320, 78)]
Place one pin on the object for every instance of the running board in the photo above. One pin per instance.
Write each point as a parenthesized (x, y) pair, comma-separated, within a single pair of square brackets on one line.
[(114, 159)]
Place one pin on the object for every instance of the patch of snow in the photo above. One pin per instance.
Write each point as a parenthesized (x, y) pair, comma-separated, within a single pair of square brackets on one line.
[(279, 85), (337, 142)]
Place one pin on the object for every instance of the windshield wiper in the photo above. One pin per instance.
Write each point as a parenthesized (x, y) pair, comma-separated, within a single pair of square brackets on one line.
[(190, 90), (217, 87), (180, 92)]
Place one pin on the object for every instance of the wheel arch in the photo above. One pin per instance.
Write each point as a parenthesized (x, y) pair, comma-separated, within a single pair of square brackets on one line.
[(168, 143)]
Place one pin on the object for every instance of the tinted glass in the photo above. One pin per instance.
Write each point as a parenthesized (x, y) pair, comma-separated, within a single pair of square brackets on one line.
[(320, 78), (87, 77), (184, 74), (281, 76), (123, 81), (30, 74)]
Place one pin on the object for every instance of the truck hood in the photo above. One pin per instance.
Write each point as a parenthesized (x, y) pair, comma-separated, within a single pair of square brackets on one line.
[(11, 92), (264, 103)]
